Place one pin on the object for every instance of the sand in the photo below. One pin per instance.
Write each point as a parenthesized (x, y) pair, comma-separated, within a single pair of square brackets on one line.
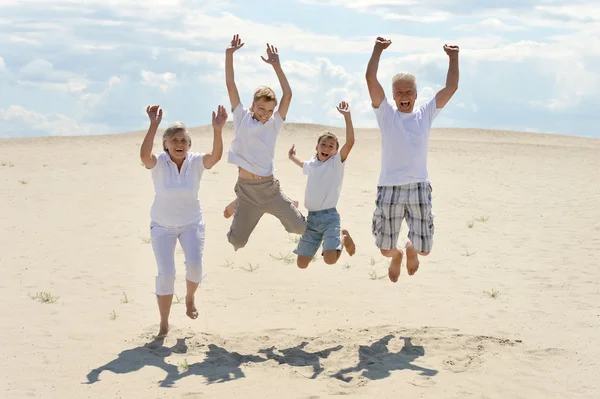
[(506, 306)]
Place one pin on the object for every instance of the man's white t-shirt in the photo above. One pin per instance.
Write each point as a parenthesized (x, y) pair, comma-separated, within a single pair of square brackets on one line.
[(404, 143), (253, 146), (176, 202), (324, 182)]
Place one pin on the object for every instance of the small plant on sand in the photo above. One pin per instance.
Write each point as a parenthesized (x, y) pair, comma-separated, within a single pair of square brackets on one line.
[(374, 276), (250, 267), (146, 240), (287, 259), (294, 238), (467, 253), (84, 163), (124, 298), (482, 219), (184, 366), (470, 224), (492, 293), (372, 261), (346, 266), (44, 297), (228, 264), (9, 164), (176, 298), (113, 315), (23, 181)]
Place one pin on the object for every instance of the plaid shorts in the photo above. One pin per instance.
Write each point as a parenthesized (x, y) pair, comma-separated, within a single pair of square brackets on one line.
[(410, 201)]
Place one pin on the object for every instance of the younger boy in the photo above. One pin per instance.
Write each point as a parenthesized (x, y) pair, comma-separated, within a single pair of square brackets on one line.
[(253, 149), (325, 173), (404, 190)]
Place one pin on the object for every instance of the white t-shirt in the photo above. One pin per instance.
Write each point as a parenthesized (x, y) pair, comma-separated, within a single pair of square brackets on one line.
[(324, 182), (404, 143), (253, 146), (176, 202)]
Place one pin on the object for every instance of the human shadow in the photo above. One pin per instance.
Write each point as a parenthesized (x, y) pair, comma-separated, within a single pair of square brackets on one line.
[(376, 362), (149, 354), (298, 357)]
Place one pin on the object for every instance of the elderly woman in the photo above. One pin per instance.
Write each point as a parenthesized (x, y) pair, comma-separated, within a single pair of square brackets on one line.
[(176, 213)]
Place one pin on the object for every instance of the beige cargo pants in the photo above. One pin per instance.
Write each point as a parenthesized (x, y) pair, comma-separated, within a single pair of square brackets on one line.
[(255, 198)]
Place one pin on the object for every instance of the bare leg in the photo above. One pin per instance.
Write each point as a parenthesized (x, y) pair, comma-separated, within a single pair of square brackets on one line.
[(348, 243), (164, 307), (190, 306), (395, 264), (303, 261)]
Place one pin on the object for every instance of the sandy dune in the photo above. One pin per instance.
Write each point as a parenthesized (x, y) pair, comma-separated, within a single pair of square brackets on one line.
[(507, 305)]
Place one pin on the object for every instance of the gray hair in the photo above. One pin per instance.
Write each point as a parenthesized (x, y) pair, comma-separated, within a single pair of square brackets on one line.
[(176, 128), (405, 77)]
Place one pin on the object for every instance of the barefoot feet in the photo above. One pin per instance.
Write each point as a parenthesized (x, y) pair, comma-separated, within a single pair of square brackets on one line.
[(163, 330), (348, 242), (412, 259), (395, 265), (190, 308), (230, 209)]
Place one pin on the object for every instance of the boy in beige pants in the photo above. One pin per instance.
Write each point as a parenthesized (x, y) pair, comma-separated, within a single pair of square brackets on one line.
[(253, 151)]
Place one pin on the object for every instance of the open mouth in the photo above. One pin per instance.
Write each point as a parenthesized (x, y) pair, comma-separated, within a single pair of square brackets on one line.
[(323, 155), (404, 104), (179, 151)]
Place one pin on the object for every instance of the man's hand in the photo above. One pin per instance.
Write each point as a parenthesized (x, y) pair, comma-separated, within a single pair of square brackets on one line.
[(451, 50), (272, 55), (292, 151), (235, 45), (220, 118), (344, 108), (155, 114), (381, 43)]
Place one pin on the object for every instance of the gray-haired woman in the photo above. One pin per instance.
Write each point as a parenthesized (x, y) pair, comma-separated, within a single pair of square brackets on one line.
[(176, 212)]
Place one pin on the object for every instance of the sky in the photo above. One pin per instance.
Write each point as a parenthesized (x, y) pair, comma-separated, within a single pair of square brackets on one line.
[(77, 68)]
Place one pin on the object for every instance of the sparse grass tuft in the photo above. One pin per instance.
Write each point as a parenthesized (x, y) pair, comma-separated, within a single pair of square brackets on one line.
[(184, 366), (84, 163), (250, 267), (228, 264), (23, 181), (176, 298), (9, 164), (467, 253), (470, 224), (287, 259), (44, 297), (124, 298), (374, 276), (492, 293), (146, 240), (372, 261), (113, 315), (346, 266), (482, 219), (294, 238)]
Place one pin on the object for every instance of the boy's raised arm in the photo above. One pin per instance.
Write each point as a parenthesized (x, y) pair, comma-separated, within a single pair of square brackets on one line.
[(375, 90), (286, 98), (344, 109), (234, 96), (292, 156)]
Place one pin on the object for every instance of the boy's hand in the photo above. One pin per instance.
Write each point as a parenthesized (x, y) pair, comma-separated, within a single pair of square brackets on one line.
[(344, 108), (451, 51), (219, 119), (236, 44), (155, 114), (272, 55), (381, 43), (292, 151)]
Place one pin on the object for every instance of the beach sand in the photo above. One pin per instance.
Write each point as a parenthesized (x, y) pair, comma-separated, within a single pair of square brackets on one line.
[(506, 306)]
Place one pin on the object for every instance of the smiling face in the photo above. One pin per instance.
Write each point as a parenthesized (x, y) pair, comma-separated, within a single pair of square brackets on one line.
[(177, 145), (262, 109), (327, 147), (405, 95)]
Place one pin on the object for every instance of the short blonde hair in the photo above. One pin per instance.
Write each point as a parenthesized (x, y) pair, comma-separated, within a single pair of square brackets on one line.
[(175, 127), (265, 93), (404, 77)]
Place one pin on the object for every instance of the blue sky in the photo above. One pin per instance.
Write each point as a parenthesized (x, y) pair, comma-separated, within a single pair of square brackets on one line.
[(73, 69)]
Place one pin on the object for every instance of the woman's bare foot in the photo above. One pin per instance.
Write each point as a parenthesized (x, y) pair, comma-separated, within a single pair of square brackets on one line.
[(395, 266), (163, 330), (348, 243), (190, 306), (412, 259), (230, 209)]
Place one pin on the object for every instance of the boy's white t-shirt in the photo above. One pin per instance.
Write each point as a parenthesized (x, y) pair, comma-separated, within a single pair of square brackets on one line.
[(404, 142), (176, 202), (324, 182), (253, 146)]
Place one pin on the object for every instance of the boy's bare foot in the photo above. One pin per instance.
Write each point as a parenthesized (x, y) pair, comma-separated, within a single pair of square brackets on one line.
[(412, 259), (348, 243), (190, 306), (229, 210), (163, 330), (395, 266)]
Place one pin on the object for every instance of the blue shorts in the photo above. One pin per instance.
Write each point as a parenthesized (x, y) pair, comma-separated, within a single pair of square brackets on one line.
[(321, 226)]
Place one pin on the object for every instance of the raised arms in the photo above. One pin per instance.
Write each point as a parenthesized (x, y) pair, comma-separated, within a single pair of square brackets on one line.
[(294, 158), (234, 96), (286, 98), (218, 121), (375, 90), (344, 109), (155, 114), (444, 95)]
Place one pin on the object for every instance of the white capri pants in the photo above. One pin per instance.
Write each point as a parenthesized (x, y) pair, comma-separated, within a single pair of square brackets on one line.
[(164, 241)]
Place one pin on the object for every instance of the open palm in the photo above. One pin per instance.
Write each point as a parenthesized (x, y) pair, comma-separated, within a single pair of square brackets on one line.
[(272, 55)]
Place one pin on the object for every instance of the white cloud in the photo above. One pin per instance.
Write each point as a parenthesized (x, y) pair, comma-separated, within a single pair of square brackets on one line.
[(489, 24), (163, 81)]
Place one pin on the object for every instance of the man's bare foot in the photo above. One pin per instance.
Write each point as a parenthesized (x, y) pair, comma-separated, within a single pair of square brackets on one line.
[(163, 330), (412, 259), (348, 243), (190, 310), (229, 210), (395, 265)]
